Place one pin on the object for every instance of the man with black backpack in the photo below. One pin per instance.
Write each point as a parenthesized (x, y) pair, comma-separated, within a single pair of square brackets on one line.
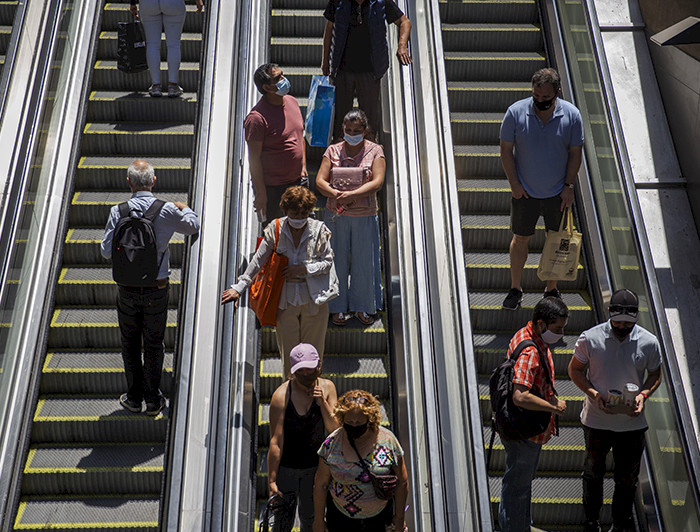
[(533, 392), (136, 239)]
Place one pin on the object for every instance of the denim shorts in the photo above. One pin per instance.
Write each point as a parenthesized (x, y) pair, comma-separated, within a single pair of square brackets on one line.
[(525, 212)]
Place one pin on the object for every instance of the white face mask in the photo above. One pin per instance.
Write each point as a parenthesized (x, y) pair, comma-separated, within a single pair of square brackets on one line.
[(297, 224), (354, 140), (550, 337)]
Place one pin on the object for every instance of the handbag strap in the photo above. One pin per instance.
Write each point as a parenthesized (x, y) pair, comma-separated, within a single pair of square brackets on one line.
[(277, 233), (363, 464), (563, 224)]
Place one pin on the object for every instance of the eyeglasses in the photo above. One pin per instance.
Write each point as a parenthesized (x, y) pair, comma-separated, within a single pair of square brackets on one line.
[(623, 309), (356, 399)]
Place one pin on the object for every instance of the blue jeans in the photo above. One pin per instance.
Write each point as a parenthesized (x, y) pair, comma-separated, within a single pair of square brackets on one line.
[(355, 243), (157, 15), (516, 489)]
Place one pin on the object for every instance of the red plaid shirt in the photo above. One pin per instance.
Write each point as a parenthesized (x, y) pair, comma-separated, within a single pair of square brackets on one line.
[(530, 374)]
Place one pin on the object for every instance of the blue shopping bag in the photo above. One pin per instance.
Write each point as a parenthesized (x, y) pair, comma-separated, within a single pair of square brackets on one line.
[(320, 111)]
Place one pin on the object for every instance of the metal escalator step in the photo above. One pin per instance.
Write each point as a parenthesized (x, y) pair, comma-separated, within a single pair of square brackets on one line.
[(5, 32), (558, 499), (296, 51), (94, 327), (486, 96), (490, 350), (82, 246), (264, 420), (115, 12), (115, 106), (108, 173), (92, 371), (483, 160), (492, 232), (487, 313), (483, 195), (491, 271), (566, 389), (299, 4), (137, 138), (7, 12), (518, 11), (491, 37), (347, 371), (93, 418), (71, 469), (300, 79), (137, 513), (290, 22), (106, 76), (190, 46), (93, 207), (475, 128), (349, 339), (494, 66)]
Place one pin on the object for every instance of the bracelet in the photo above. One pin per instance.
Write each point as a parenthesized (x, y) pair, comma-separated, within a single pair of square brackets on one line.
[(570, 185), (645, 395)]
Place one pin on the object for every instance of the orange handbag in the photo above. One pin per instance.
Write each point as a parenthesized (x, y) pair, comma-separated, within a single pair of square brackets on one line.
[(264, 295)]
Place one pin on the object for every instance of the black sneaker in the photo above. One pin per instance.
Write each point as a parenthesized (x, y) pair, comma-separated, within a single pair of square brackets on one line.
[(513, 299), (554, 292), (153, 409), (131, 406), (591, 526)]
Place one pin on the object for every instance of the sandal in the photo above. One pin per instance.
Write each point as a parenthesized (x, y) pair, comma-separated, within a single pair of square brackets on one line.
[(364, 318), (339, 319)]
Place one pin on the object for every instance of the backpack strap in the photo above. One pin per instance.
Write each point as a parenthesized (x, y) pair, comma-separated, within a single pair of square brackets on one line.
[(154, 210), (124, 210)]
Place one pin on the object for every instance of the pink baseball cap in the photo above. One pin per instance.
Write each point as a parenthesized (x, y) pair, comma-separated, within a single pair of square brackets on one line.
[(303, 356)]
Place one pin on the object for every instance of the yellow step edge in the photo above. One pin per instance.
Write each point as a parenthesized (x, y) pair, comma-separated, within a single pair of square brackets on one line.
[(81, 164), (87, 131)]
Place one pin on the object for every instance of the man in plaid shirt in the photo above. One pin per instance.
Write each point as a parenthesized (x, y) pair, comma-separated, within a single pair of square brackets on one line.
[(531, 392)]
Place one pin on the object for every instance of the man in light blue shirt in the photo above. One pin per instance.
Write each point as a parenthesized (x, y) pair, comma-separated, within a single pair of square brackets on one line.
[(142, 310), (541, 149)]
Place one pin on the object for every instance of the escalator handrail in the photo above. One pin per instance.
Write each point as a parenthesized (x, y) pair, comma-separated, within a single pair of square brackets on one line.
[(10, 59), (656, 307)]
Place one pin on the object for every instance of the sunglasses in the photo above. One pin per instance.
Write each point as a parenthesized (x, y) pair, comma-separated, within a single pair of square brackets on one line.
[(357, 399), (358, 17), (622, 309)]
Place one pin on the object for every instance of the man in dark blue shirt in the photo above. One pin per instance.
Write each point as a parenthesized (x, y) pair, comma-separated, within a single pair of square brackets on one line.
[(356, 54)]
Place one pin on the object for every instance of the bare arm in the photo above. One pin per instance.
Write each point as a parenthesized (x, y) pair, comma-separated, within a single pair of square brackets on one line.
[(400, 497), (323, 179), (529, 401), (652, 382), (577, 373), (323, 477), (256, 173), (327, 40), (326, 397), (274, 455), (404, 33), (508, 162), (572, 166)]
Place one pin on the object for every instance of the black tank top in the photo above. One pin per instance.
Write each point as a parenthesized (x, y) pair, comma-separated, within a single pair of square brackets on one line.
[(303, 435)]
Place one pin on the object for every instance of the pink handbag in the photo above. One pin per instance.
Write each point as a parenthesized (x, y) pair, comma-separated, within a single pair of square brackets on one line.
[(350, 178)]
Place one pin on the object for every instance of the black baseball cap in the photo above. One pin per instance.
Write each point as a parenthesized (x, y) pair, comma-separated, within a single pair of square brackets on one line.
[(624, 306)]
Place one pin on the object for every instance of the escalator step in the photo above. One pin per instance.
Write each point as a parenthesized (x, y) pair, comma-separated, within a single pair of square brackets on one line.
[(94, 327), (109, 173), (289, 22), (82, 246), (190, 45), (296, 51), (138, 137), (484, 160), (492, 232), (475, 128), (517, 11), (485, 96), (92, 372), (484, 195), (89, 513), (7, 11), (300, 80), (491, 37), (494, 66), (115, 106), (93, 207), (349, 339), (89, 418), (107, 77), (71, 469), (347, 371)]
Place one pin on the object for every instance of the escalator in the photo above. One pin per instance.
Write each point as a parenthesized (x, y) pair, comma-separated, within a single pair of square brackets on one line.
[(91, 464), (491, 50), (355, 356), (7, 16)]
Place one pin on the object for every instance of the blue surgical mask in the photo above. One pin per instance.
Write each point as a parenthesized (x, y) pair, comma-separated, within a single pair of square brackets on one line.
[(354, 140), (283, 87)]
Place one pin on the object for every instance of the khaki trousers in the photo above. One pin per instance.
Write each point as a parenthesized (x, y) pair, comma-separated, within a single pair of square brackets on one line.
[(296, 325)]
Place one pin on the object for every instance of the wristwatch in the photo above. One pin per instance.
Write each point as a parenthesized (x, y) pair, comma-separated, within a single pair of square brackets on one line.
[(570, 185)]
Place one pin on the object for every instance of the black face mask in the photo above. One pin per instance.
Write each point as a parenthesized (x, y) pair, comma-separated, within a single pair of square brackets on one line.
[(621, 332), (306, 382), (543, 106), (355, 431)]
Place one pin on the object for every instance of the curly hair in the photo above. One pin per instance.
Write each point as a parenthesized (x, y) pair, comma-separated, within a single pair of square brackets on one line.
[(368, 404), (298, 198)]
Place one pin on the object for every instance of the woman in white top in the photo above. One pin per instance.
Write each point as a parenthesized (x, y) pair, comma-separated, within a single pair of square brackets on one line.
[(310, 279)]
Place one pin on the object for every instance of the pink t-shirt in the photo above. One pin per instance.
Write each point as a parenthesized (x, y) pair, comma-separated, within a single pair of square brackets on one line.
[(337, 155), (281, 130)]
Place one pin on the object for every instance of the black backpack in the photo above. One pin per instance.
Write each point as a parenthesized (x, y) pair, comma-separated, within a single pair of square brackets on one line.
[(509, 420), (134, 251)]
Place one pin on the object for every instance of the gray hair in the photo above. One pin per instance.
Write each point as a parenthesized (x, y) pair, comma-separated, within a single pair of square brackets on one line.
[(141, 174)]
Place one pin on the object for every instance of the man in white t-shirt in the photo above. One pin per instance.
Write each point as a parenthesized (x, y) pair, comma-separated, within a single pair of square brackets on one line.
[(607, 357)]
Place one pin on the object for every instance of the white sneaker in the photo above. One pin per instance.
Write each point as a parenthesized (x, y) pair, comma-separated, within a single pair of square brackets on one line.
[(174, 90), (155, 90)]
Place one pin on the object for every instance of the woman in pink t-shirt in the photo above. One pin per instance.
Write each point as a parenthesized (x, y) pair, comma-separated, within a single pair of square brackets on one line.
[(351, 216)]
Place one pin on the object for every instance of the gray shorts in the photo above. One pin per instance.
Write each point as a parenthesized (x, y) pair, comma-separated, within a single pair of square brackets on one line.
[(525, 212)]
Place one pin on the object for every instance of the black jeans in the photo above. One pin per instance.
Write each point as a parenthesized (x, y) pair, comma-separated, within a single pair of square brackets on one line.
[(368, 90), (627, 448), (337, 521), (143, 314)]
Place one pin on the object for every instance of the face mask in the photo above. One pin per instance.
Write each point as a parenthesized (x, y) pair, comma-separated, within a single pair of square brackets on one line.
[(307, 381), (550, 337), (621, 332), (297, 224), (543, 106), (354, 140), (283, 87), (355, 431)]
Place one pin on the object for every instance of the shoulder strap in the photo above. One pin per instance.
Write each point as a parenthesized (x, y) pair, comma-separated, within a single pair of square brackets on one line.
[(124, 210), (544, 363), (362, 460), (154, 210), (277, 232)]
